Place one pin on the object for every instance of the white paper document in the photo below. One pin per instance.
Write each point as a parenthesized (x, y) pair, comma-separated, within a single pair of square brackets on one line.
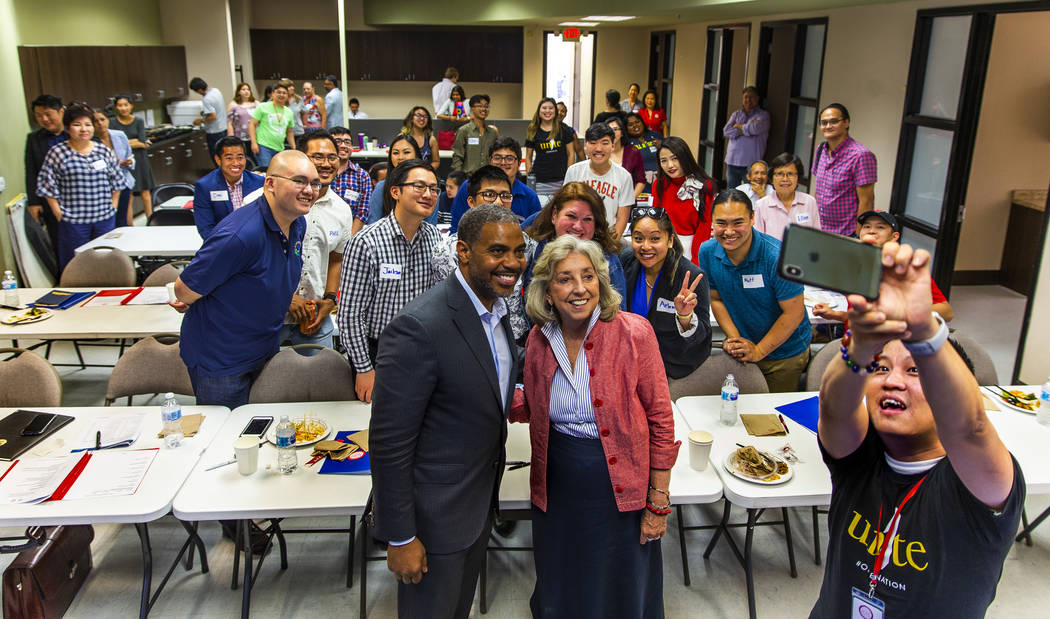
[(152, 295), (35, 479), (112, 473), (112, 431)]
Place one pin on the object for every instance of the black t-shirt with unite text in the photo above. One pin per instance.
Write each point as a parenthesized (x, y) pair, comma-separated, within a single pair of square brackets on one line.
[(552, 155), (947, 556)]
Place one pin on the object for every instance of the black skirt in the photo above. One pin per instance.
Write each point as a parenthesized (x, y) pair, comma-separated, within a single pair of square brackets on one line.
[(588, 559)]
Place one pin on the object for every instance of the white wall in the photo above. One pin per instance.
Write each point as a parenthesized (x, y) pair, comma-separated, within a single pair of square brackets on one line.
[(207, 41)]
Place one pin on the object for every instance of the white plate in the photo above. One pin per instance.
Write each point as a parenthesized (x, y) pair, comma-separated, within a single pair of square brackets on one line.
[(999, 400), (271, 434), (13, 318), (727, 465)]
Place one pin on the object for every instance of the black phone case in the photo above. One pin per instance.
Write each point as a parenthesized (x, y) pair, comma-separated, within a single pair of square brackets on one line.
[(13, 443), (869, 290)]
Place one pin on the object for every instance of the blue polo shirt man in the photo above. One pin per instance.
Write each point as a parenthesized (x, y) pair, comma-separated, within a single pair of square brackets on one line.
[(237, 289), (505, 154), (763, 315)]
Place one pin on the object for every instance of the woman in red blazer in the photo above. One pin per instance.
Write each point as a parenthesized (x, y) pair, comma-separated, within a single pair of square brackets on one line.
[(602, 431)]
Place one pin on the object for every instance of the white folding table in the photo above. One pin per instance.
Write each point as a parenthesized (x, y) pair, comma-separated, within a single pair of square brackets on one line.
[(138, 241), (151, 501)]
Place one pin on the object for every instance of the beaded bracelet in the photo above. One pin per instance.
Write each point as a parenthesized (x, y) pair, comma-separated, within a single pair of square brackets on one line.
[(659, 511), (850, 363)]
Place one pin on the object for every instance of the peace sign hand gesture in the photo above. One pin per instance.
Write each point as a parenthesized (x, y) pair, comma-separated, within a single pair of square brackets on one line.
[(686, 299)]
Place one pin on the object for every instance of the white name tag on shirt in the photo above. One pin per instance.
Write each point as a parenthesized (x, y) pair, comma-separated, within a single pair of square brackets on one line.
[(473, 141), (753, 281), (652, 149), (98, 164), (275, 118), (219, 196), (351, 195), (663, 305), (388, 270), (802, 218)]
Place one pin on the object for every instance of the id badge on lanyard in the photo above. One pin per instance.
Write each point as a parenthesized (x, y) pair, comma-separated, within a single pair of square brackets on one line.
[(864, 606)]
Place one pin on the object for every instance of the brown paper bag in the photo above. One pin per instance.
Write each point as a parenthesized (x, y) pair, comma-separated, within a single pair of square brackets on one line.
[(190, 425), (764, 424)]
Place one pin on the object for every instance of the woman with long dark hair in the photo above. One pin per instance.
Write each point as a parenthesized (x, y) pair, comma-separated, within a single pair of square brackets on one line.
[(135, 129), (661, 278), (625, 155), (652, 114), (685, 191), (550, 141), (420, 127), (647, 143), (402, 148), (455, 109)]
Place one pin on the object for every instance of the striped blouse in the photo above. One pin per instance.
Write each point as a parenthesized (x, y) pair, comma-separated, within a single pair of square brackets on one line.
[(571, 410)]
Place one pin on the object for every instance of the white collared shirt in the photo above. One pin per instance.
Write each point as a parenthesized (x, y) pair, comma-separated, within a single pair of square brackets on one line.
[(328, 226), (495, 334)]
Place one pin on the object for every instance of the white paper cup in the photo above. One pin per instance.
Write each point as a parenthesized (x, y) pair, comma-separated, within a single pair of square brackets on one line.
[(171, 292), (246, 450), (700, 449)]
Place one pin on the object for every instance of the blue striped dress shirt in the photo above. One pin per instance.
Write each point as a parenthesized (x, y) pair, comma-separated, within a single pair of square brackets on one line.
[(571, 411)]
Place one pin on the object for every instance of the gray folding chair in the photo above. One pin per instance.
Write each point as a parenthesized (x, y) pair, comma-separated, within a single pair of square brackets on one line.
[(293, 377), (151, 366), (27, 379)]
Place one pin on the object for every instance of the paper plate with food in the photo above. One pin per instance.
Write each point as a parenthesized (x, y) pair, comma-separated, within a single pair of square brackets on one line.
[(1017, 400), (758, 467), (33, 314), (308, 430)]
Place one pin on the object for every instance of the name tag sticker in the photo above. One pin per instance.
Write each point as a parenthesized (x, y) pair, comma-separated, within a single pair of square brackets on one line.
[(473, 141), (98, 164), (802, 218), (388, 270), (652, 148), (663, 305), (219, 196), (864, 607), (753, 281), (351, 195), (275, 118)]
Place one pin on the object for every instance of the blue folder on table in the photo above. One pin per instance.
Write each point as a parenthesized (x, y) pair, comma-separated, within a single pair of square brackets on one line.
[(361, 466), (61, 299), (804, 412)]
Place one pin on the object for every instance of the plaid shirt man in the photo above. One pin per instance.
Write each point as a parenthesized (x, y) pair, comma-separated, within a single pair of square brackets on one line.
[(82, 184), (382, 271), (354, 186), (839, 172)]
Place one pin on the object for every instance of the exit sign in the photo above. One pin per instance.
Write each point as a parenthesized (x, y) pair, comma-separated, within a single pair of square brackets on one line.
[(570, 34)]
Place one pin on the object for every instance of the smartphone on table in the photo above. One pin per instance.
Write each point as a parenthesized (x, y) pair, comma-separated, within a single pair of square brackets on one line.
[(830, 261), (257, 426)]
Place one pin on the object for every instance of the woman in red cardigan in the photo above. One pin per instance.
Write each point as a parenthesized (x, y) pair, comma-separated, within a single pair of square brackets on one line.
[(685, 191), (602, 431)]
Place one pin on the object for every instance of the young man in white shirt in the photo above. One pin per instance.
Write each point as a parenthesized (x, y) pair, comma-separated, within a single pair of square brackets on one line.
[(610, 180), (355, 109)]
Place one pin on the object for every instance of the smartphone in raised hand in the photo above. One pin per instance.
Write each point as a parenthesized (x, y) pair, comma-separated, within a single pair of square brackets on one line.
[(830, 261)]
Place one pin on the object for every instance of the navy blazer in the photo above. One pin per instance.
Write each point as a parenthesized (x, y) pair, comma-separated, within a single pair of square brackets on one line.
[(207, 212), (438, 423)]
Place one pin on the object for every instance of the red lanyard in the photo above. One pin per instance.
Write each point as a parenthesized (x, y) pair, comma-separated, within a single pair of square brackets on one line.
[(891, 529)]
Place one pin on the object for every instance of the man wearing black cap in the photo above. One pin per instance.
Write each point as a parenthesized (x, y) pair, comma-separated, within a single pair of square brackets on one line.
[(878, 228)]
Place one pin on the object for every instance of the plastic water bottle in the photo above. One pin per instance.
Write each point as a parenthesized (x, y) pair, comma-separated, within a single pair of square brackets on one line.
[(171, 415), (730, 392), (10, 288), (1043, 415), (287, 461)]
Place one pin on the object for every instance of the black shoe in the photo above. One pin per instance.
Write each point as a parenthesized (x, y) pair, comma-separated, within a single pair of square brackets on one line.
[(260, 541), (504, 528)]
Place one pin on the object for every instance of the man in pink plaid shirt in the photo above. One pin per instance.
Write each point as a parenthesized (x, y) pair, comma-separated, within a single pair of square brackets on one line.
[(845, 172)]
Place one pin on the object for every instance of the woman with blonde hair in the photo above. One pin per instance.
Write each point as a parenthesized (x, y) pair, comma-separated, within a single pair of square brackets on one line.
[(602, 434), (420, 127)]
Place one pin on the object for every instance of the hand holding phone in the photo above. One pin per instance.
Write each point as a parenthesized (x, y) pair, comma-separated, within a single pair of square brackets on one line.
[(904, 306), (830, 261)]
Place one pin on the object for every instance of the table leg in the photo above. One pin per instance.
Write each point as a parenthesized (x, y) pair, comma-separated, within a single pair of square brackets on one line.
[(246, 547), (364, 567), (191, 530), (816, 535), (752, 518), (1026, 533), (350, 553), (147, 568), (681, 544), (790, 544), (721, 528), (236, 555), (483, 607)]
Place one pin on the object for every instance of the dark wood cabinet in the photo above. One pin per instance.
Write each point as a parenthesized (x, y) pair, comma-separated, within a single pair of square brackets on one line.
[(94, 74), (481, 55), (182, 159)]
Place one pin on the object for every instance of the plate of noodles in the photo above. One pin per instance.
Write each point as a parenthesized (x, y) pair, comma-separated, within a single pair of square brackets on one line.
[(308, 430), (758, 467)]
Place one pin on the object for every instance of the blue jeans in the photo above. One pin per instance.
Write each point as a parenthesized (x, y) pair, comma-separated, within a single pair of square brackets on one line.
[(212, 139), (735, 175), (229, 391), (264, 156), (322, 337), (122, 207), (72, 236)]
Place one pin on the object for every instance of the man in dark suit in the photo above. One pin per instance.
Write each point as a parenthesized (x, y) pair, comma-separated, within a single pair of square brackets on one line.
[(445, 376), (47, 111), (224, 189)]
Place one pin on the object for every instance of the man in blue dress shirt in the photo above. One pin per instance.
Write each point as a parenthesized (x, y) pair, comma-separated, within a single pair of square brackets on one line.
[(237, 289), (226, 188), (505, 154)]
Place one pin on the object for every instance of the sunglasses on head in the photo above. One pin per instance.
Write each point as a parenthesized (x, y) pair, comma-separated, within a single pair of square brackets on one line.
[(655, 212)]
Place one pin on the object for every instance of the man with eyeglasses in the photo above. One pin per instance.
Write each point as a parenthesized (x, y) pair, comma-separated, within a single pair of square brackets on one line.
[(845, 172), (762, 314), (474, 139), (226, 188), (351, 182), (327, 230), (387, 265), (237, 289), (505, 154)]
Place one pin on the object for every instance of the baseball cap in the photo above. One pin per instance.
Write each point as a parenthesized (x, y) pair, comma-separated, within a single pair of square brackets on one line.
[(883, 215)]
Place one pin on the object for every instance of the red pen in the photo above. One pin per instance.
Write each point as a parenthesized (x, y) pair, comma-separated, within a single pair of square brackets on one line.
[(786, 431)]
